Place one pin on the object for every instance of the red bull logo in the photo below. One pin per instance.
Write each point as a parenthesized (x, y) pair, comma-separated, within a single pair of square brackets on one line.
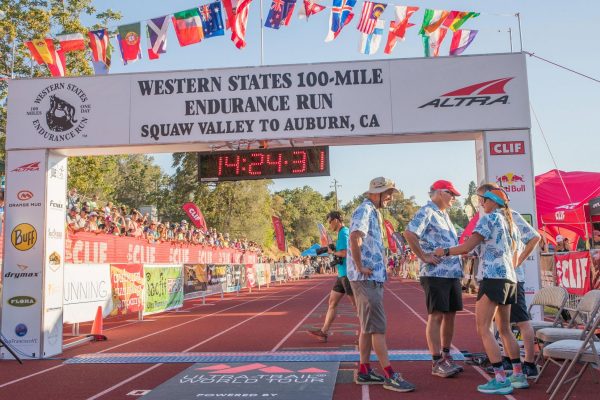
[(511, 182)]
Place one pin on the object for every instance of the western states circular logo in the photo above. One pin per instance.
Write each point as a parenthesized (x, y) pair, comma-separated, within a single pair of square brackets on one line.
[(60, 112), (23, 237)]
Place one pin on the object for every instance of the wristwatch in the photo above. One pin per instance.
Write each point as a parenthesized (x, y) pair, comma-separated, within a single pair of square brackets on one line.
[(447, 251)]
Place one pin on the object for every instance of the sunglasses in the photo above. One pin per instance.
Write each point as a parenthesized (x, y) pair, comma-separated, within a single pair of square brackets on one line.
[(449, 192)]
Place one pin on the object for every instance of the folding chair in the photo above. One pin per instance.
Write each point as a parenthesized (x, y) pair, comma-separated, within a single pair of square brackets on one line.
[(573, 352), (586, 311), (553, 297)]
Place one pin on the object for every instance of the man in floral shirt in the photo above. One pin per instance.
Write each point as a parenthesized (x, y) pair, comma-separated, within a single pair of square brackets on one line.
[(429, 229), (366, 272)]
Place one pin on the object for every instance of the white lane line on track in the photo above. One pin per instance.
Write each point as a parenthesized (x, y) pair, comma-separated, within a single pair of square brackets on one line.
[(481, 372), (278, 345), (110, 389), (365, 392), (131, 341)]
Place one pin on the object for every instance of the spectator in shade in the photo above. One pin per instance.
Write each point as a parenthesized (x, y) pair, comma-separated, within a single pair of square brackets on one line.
[(74, 221), (72, 198)]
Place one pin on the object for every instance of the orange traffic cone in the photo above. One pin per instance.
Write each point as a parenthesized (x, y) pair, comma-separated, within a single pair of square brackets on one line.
[(96, 332)]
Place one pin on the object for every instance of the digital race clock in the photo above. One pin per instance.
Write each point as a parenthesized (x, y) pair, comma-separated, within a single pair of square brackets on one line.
[(263, 164)]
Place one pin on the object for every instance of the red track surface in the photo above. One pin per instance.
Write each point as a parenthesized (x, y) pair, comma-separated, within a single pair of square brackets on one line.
[(266, 320)]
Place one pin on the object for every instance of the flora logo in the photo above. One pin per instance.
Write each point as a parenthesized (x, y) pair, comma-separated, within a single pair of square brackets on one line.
[(24, 195), (21, 301), (480, 94), (34, 166), (512, 182)]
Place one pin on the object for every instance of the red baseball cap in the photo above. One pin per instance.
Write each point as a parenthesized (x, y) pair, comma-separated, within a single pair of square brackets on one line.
[(445, 185)]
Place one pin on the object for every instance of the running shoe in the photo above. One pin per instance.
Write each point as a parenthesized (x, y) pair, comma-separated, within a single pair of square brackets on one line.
[(495, 387), (398, 384), (318, 333), (531, 372), (518, 381), (449, 360), (443, 369), (370, 378)]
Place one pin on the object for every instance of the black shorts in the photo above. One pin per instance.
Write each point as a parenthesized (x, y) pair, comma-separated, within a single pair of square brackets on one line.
[(342, 285), (500, 291), (442, 294), (518, 311)]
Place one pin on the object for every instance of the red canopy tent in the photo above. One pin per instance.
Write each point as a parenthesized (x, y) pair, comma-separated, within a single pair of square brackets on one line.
[(562, 203)]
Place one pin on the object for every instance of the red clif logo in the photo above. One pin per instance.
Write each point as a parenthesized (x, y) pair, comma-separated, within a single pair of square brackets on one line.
[(512, 182), (482, 94), (24, 195), (272, 369), (34, 166), (507, 148)]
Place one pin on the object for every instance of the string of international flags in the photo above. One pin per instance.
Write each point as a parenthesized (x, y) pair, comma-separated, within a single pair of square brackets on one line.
[(195, 24)]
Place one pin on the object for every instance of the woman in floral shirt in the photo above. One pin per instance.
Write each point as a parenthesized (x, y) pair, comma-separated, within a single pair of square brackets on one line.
[(499, 238)]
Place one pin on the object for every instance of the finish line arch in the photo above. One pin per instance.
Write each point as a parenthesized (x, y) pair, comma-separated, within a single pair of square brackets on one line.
[(480, 98)]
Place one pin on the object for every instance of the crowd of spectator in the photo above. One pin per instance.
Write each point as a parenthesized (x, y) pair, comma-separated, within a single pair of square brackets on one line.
[(88, 215)]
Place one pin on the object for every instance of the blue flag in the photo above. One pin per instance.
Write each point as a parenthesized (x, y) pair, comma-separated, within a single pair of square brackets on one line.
[(212, 19), (280, 13)]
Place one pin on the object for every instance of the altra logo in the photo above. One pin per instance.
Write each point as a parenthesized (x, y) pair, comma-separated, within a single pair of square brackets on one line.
[(24, 195), (34, 166), (272, 369), (480, 94), (511, 182)]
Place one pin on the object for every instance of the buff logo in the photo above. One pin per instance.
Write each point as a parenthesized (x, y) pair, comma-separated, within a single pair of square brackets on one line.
[(59, 112), (480, 94), (23, 237)]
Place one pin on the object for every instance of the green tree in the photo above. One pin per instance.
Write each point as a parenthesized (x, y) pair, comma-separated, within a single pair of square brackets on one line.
[(137, 181)]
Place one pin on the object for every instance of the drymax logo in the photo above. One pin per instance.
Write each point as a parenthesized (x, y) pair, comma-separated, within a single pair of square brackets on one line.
[(479, 94), (34, 166)]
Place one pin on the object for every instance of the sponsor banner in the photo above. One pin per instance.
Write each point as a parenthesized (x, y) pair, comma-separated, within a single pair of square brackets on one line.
[(127, 282), (474, 93), (573, 271), (163, 288), (595, 206), (279, 380), (595, 257), (217, 278), (86, 287), (195, 280), (547, 270), (22, 299), (250, 276), (54, 253), (262, 274), (272, 272), (91, 248), (234, 278)]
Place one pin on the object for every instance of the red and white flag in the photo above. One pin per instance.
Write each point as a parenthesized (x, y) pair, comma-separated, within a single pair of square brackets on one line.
[(71, 42), (370, 14), (310, 8), (238, 28), (461, 39), (195, 215), (399, 26), (99, 44), (433, 42)]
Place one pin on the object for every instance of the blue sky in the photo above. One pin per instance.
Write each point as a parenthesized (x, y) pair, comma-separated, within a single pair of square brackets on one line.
[(564, 102)]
